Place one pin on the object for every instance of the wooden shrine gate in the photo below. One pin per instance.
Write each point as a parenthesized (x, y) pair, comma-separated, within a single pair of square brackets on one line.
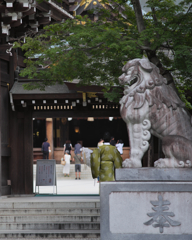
[(59, 101)]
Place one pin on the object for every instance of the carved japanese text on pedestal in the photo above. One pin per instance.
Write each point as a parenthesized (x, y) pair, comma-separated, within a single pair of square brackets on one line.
[(160, 218), (145, 213)]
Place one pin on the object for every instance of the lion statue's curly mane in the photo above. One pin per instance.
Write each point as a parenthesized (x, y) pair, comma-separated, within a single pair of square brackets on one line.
[(148, 106)]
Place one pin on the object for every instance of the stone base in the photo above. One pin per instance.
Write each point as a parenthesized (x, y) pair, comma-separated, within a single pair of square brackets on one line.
[(154, 174), (150, 210)]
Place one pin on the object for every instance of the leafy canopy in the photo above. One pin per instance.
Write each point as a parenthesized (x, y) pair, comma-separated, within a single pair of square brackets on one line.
[(95, 51)]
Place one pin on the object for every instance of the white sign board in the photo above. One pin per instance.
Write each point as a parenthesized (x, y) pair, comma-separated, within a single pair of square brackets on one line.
[(46, 173)]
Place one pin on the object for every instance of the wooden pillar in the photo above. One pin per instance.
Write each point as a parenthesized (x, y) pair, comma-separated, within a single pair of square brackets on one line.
[(64, 131), (151, 152), (0, 130), (28, 152), (49, 134), (17, 152), (21, 161)]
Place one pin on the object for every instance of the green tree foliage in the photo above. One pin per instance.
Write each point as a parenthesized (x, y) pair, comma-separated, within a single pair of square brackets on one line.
[(95, 51)]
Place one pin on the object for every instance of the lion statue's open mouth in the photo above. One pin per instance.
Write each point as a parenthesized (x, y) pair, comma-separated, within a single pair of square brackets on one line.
[(129, 79), (133, 81), (131, 84), (148, 106)]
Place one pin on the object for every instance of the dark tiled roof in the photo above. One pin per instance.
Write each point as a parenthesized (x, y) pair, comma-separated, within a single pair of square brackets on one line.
[(54, 89)]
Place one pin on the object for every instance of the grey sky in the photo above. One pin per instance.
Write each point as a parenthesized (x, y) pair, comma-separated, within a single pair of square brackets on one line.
[(143, 3)]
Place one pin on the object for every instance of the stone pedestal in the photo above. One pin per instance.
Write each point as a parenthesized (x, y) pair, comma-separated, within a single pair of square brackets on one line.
[(147, 204)]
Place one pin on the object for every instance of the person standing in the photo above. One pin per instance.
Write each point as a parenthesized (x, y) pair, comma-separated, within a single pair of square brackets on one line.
[(66, 168), (119, 146), (68, 146), (112, 141), (77, 159), (104, 160), (46, 149), (100, 143)]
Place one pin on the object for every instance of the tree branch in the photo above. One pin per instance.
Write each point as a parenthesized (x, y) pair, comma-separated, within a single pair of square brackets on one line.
[(188, 9), (139, 15), (166, 46)]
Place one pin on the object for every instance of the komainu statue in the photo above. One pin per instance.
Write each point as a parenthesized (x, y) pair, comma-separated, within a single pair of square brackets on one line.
[(150, 106)]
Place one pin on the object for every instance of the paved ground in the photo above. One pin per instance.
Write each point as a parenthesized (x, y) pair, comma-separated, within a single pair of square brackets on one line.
[(68, 186)]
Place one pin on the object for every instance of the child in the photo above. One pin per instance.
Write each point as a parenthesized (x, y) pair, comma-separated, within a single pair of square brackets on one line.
[(119, 146), (66, 168)]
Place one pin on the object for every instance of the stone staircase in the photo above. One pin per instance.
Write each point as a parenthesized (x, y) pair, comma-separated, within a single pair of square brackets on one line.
[(61, 218)]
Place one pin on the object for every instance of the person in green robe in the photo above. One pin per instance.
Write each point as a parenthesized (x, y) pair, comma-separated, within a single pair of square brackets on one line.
[(104, 160)]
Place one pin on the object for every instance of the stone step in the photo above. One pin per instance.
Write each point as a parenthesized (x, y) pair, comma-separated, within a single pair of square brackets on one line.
[(66, 238), (51, 226), (55, 211), (53, 238), (49, 234), (48, 218), (48, 205)]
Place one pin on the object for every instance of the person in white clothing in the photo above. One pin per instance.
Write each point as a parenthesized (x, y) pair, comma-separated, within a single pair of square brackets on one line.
[(100, 143), (66, 168), (119, 146)]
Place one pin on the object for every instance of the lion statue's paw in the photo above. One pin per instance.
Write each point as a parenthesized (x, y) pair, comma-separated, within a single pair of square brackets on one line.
[(188, 164), (129, 163), (170, 163), (161, 163)]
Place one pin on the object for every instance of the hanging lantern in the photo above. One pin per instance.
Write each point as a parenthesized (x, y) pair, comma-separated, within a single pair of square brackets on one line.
[(77, 130)]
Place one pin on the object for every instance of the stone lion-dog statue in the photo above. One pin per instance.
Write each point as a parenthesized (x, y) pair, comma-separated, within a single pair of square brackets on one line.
[(150, 106)]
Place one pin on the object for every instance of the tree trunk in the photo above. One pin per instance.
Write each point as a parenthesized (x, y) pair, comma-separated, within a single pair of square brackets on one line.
[(151, 54)]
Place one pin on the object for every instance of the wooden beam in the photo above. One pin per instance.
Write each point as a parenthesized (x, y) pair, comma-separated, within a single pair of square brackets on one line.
[(55, 14), (30, 11), (21, 30), (62, 114), (85, 88), (16, 23), (2, 8), (18, 7), (4, 56), (43, 6), (44, 20), (47, 96), (76, 87), (6, 20)]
